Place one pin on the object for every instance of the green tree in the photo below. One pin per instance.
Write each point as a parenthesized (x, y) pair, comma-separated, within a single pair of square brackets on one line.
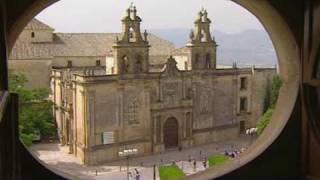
[(276, 85), (264, 120), (35, 111), (266, 117)]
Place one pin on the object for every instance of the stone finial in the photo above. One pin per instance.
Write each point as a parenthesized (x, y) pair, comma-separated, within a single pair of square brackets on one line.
[(234, 65), (200, 15), (134, 12), (191, 35), (171, 65), (128, 12), (205, 15), (117, 39), (145, 35)]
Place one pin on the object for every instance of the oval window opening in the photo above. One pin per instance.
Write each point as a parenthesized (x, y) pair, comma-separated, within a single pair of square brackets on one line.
[(197, 103)]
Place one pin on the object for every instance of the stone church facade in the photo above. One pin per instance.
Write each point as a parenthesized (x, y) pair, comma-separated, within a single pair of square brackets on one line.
[(129, 104)]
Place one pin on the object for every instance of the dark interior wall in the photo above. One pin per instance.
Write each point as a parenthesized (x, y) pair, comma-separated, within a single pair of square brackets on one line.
[(3, 53), (15, 9), (293, 13)]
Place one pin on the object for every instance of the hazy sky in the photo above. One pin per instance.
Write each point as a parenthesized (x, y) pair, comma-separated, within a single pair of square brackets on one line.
[(105, 15)]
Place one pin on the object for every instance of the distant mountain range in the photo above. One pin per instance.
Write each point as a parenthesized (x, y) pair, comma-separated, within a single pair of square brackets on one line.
[(246, 48)]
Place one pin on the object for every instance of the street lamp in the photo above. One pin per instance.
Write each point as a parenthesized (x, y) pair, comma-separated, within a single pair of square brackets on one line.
[(127, 153)]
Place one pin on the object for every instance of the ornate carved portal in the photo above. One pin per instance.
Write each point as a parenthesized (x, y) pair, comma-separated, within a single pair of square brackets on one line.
[(170, 93), (170, 133)]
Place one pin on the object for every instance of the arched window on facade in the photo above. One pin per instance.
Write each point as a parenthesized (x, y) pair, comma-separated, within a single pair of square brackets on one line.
[(125, 63), (208, 61), (196, 61), (203, 36), (139, 63), (132, 36)]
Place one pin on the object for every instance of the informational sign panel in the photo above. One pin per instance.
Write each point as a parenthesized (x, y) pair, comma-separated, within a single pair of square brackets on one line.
[(107, 137)]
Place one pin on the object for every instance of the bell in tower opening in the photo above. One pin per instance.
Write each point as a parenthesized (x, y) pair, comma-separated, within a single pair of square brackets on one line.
[(131, 51), (202, 46)]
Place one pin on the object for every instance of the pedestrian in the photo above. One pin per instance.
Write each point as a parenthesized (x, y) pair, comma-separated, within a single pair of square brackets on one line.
[(205, 164), (137, 176), (194, 165), (130, 175)]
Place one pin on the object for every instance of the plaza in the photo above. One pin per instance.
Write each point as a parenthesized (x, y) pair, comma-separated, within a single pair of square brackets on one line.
[(57, 156)]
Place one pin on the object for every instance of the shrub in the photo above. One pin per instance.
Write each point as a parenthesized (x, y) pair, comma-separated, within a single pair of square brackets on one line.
[(26, 139), (172, 172), (217, 159)]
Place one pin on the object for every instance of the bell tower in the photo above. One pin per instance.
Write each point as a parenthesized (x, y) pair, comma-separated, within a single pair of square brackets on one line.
[(131, 51), (202, 47)]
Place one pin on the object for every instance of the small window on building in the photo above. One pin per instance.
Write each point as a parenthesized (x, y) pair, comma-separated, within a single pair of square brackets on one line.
[(186, 66), (69, 64), (107, 138), (243, 83), (243, 104), (98, 63), (32, 34)]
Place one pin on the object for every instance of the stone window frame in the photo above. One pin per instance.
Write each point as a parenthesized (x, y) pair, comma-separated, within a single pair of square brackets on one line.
[(243, 104), (243, 83), (33, 34), (98, 62), (69, 64)]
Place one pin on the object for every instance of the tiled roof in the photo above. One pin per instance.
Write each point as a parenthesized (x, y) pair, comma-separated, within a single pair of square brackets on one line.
[(23, 50), (82, 44), (35, 24)]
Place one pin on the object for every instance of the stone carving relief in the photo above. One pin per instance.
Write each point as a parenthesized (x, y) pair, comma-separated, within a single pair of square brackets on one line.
[(188, 124), (158, 128), (170, 92), (153, 95), (125, 64), (204, 102), (189, 93), (139, 64)]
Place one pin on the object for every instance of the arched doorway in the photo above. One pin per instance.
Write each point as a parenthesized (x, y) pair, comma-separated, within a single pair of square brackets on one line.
[(170, 133)]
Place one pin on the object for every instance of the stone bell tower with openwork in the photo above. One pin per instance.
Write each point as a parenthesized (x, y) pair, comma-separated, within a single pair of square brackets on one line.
[(202, 47), (131, 50)]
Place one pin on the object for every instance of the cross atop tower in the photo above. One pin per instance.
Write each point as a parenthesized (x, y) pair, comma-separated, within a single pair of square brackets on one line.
[(202, 28), (131, 50), (131, 26), (202, 46)]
